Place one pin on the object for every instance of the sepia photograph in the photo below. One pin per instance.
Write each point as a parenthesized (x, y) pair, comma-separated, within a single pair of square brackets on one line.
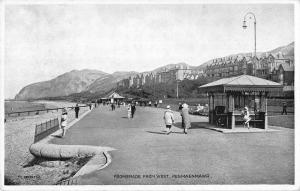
[(182, 95)]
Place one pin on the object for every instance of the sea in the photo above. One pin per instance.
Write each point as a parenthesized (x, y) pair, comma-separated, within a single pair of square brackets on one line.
[(19, 106)]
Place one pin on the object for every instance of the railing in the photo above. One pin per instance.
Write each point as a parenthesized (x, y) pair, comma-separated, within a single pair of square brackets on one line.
[(44, 129), (36, 112)]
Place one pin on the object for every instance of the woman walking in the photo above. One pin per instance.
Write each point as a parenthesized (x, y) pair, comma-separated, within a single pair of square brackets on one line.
[(64, 118), (185, 118), (169, 119), (129, 111)]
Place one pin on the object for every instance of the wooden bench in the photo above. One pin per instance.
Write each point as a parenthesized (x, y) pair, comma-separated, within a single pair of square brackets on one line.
[(253, 120)]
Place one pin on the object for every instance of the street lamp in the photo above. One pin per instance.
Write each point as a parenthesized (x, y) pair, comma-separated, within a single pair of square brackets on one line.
[(177, 92), (251, 15)]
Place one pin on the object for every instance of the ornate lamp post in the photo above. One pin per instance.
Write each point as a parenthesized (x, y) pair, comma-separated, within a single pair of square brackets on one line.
[(177, 91), (251, 16)]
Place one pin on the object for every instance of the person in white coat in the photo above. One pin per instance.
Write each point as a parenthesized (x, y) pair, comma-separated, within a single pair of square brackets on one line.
[(169, 119), (185, 118), (129, 111), (246, 117), (63, 124)]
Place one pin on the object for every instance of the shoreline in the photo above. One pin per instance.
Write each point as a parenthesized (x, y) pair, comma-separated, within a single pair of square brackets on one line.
[(19, 135)]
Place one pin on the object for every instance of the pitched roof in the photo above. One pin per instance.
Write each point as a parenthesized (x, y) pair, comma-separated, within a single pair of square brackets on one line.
[(242, 83), (286, 67), (113, 95)]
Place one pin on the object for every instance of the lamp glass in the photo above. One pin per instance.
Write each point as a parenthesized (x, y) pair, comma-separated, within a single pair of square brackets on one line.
[(244, 25)]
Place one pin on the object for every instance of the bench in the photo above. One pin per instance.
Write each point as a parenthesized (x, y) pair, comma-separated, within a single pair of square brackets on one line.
[(254, 119)]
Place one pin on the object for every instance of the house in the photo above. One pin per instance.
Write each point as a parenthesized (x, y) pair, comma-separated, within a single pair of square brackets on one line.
[(284, 74)]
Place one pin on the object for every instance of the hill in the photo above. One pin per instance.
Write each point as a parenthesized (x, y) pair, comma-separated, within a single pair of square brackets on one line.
[(168, 66), (108, 82), (74, 81)]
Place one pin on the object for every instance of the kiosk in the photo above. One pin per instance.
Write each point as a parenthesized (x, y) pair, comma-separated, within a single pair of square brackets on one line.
[(228, 97)]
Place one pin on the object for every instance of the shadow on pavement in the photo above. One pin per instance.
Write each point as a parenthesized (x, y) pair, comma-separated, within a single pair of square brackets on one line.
[(177, 132), (194, 125), (156, 132), (57, 136)]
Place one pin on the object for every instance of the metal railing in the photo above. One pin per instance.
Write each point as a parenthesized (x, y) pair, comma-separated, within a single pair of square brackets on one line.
[(36, 112), (44, 129)]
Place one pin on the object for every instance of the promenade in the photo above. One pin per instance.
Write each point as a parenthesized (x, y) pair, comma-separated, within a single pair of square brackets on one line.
[(143, 151)]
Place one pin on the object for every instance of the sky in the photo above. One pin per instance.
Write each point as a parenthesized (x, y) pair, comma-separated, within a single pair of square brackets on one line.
[(43, 41)]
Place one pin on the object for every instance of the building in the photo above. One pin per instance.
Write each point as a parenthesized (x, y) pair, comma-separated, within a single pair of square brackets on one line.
[(284, 74), (278, 68), (261, 66), (230, 66)]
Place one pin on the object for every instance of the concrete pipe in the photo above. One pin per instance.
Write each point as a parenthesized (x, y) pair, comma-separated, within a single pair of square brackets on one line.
[(63, 151)]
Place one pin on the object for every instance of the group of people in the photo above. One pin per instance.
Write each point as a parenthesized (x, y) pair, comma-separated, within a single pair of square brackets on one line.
[(169, 118)]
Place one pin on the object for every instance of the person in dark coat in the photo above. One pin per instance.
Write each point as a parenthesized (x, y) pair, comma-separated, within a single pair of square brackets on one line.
[(76, 110), (179, 109), (112, 106), (132, 110), (284, 106)]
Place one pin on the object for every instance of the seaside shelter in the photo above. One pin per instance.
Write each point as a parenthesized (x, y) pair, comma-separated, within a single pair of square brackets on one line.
[(113, 97), (229, 96)]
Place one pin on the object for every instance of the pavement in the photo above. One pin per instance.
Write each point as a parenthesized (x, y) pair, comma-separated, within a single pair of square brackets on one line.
[(241, 129), (146, 155)]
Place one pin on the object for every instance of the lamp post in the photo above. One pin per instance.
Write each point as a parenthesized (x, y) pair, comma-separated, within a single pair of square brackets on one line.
[(251, 15), (177, 82)]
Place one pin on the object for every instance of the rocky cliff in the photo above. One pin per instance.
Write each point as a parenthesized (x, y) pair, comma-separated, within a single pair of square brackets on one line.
[(71, 82)]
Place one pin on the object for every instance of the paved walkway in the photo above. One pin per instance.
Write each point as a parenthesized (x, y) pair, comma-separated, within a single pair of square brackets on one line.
[(215, 158)]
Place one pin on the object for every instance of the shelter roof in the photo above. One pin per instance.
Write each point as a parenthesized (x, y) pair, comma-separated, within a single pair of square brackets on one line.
[(243, 83), (113, 95)]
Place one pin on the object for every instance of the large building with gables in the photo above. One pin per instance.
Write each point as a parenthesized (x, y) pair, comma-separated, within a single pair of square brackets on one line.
[(275, 67)]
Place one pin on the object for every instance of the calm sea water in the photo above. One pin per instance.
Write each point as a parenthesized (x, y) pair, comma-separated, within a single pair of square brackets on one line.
[(17, 106)]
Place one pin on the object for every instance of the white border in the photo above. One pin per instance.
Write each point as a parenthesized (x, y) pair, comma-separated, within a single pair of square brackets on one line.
[(156, 187)]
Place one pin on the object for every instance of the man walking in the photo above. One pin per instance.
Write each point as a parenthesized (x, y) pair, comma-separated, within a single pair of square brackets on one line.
[(180, 109), (76, 111), (132, 110), (284, 106), (169, 119), (112, 106)]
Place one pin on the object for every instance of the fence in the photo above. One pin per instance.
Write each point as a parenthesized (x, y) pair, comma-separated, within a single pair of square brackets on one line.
[(34, 112), (44, 129)]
